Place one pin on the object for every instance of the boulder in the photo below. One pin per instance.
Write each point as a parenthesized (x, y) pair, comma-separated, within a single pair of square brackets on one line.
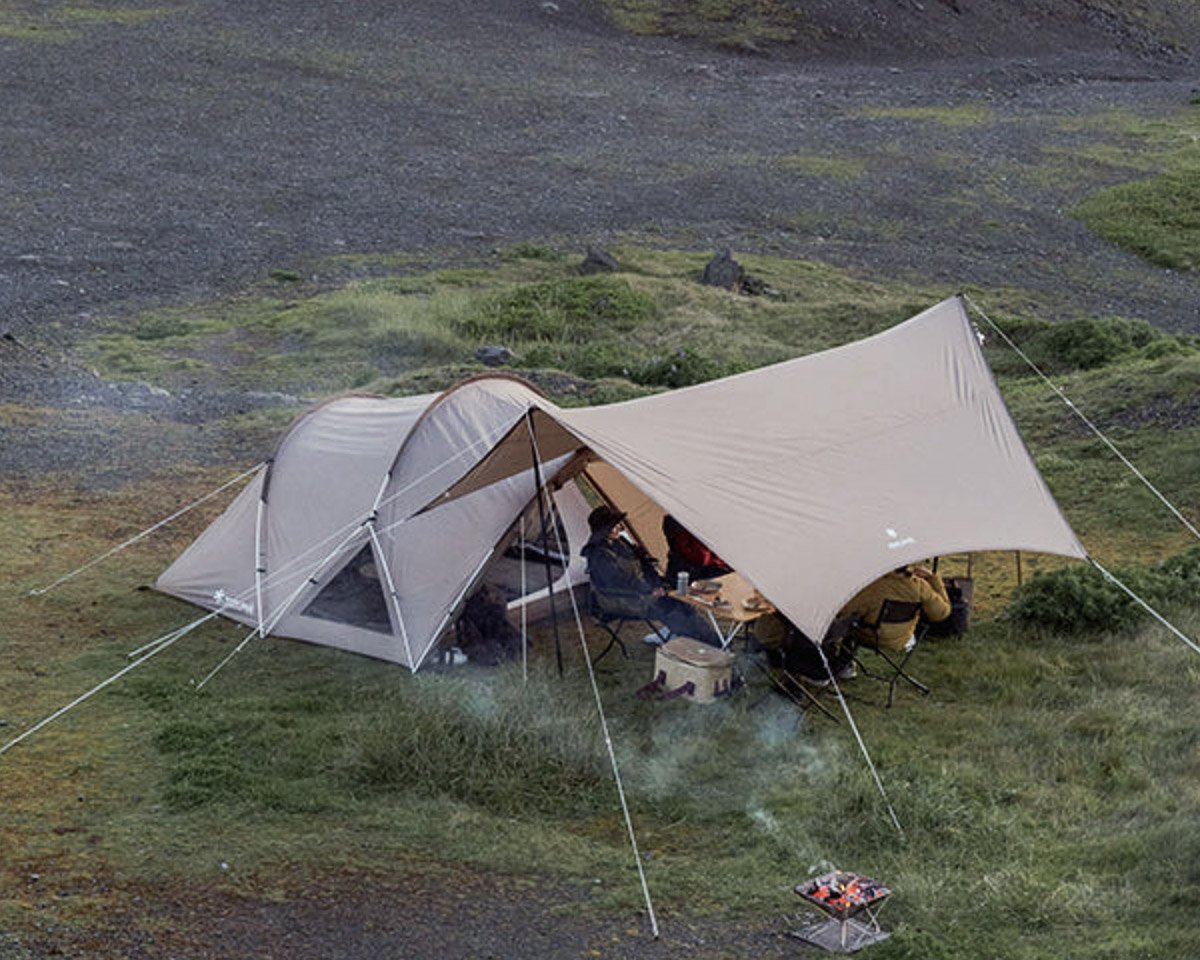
[(494, 356), (723, 271), (599, 260)]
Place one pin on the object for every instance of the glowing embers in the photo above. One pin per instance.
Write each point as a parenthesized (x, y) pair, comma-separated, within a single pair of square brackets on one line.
[(851, 903)]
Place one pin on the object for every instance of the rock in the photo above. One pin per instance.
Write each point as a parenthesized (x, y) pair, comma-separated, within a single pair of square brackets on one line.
[(599, 260), (723, 271), (494, 356)]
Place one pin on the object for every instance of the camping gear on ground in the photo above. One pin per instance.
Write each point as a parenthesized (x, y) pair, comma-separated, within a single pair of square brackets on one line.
[(961, 591), (483, 630), (692, 670), (851, 903)]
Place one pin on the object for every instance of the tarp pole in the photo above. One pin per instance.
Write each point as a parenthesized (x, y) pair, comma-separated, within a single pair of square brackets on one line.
[(612, 755), (524, 609), (537, 473)]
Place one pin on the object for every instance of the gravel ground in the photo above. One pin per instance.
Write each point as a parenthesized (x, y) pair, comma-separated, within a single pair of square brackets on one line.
[(181, 156)]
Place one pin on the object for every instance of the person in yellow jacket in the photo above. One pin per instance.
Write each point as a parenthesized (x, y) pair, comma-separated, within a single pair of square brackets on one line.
[(909, 584)]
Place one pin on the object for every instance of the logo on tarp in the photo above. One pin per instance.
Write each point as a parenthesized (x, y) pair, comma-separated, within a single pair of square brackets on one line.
[(232, 603), (895, 541)]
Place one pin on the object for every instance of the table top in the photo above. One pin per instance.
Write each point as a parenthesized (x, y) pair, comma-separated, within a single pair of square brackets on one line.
[(734, 591)]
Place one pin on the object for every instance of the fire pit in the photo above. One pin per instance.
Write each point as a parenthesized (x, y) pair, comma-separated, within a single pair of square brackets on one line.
[(851, 904)]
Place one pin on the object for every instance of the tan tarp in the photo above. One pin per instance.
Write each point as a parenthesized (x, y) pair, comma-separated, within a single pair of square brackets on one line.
[(815, 476), (811, 477)]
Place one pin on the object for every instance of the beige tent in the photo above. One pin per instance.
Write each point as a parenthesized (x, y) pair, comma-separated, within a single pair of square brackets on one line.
[(811, 477), (318, 546)]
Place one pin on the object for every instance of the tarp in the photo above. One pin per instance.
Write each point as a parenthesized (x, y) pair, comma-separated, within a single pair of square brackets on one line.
[(815, 476)]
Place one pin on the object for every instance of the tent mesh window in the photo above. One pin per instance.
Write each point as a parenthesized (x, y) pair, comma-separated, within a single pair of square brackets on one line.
[(355, 596)]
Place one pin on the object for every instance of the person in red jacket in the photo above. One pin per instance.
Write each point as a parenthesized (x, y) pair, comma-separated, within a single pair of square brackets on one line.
[(685, 552)]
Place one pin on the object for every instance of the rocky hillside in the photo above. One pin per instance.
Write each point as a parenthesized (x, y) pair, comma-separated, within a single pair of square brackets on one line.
[(906, 29)]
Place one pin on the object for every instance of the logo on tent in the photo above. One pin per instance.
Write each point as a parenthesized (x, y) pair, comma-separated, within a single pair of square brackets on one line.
[(895, 541), (232, 603)]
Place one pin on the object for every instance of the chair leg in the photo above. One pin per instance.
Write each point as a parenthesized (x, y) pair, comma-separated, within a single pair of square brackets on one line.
[(900, 674), (614, 640)]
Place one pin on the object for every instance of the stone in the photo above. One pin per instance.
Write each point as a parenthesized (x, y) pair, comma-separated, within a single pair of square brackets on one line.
[(723, 271), (494, 356), (599, 260)]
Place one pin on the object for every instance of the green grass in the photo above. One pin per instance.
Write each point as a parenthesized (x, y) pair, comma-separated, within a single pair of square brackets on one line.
[(1048, 789), (737, 24), (1158, 216)]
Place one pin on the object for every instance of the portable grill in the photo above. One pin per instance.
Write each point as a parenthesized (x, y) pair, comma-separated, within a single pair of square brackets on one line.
[(851, 904)]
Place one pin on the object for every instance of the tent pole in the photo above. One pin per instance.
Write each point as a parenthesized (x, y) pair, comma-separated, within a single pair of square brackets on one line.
[(524, 609), (537, 473), (259, 562), (391, 588)]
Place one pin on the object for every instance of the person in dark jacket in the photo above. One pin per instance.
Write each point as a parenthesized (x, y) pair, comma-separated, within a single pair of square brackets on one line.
[(626, 581)]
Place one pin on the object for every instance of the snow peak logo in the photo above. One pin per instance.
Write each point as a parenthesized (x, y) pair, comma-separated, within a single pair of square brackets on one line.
[(895, 541), (232, 603)]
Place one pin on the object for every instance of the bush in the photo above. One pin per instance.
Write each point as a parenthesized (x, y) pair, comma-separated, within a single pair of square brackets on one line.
[(574, 310), (1082, 344), (1080, 599)]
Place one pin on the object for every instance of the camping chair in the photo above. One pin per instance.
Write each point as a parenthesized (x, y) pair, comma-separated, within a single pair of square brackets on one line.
[(611, 622), (893, 611)]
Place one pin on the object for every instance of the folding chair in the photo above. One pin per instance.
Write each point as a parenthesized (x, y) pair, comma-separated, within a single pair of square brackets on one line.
[(612, 622), (893, 611)]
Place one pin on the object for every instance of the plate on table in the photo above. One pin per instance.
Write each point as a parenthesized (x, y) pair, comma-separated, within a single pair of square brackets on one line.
[(705, 586)]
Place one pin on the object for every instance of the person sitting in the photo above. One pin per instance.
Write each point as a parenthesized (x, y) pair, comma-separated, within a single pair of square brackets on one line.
[(625, 579), (686, 553), (790, 649), (918, 585)]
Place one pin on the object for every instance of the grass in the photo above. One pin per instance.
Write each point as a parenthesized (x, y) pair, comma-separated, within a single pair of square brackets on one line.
[(1048, 788), (1156, 217)]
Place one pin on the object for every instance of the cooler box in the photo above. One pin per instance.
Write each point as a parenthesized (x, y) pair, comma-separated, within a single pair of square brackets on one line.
[(683, 660)]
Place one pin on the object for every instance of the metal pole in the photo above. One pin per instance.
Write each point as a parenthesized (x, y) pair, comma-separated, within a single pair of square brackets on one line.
[(537, 474)]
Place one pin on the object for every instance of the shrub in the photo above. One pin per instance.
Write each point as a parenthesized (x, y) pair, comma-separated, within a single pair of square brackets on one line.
[(1082, 344), (1080, 599), (573, 310), (679, 369)]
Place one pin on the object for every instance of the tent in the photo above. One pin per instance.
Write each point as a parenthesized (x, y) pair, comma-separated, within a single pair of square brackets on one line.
[(811, 477), (310, 548)]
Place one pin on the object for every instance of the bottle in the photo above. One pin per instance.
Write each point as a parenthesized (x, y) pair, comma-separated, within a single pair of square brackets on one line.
[(681, 582)]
